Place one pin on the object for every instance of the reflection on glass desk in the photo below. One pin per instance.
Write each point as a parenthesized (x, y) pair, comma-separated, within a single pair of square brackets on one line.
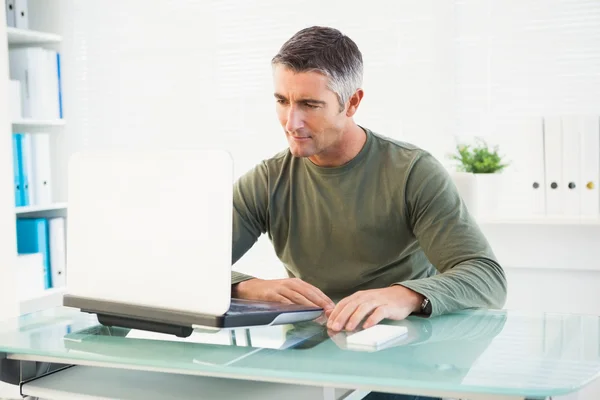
[(495, 352)]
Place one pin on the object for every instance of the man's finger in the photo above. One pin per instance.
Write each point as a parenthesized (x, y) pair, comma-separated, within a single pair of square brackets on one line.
[(338, 308), (360, 313), (314, 294), (377, 316), (342, 318), (295, 297), (281, 299)]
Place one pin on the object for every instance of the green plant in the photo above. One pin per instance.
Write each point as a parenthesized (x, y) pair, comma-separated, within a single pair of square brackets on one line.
[(478, 158)]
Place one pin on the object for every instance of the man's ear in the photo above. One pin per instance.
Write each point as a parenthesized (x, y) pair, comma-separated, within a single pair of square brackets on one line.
[(354, 102)]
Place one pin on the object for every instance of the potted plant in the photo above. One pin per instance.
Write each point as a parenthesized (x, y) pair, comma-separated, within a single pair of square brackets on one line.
[(479, 167)]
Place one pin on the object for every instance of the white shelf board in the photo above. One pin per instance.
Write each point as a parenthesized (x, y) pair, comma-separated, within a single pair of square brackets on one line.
[(95, 382), (542, 220), (20, 37), (44, 211), (50, 298), (37, 125)]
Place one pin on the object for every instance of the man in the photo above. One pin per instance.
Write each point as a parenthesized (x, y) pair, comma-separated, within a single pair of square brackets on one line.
[(371, 223)]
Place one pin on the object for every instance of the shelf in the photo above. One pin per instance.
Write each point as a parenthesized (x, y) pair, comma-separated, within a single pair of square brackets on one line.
[(37, 125), (48, 299), (543, 220), (45, 211), (19, 37)]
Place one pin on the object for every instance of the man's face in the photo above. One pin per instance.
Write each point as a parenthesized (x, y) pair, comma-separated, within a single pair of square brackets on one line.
[(309, 112)]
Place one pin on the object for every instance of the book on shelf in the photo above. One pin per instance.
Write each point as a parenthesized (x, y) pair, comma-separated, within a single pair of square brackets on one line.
[(45, 238), (32, 169), (38, 71)]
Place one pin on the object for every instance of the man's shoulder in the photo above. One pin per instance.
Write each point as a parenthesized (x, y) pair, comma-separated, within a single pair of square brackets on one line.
[(278, 159), (269, 166), (399, 150)]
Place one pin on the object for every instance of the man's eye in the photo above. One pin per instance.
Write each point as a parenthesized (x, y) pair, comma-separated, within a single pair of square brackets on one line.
[(312, 105), (281, 101)]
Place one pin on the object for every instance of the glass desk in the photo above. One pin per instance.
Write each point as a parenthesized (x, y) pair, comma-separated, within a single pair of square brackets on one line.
[(470, 354)]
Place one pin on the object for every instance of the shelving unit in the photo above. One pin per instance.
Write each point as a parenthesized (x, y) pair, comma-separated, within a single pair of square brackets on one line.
[(47, 299), (23, 37), (37, 126), (45, 31), (45, 211)]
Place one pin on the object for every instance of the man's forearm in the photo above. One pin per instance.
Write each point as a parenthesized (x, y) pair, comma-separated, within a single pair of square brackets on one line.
[(476, 283)]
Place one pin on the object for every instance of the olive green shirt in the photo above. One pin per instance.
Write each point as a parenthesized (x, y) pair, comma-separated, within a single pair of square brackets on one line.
[(391, 215)]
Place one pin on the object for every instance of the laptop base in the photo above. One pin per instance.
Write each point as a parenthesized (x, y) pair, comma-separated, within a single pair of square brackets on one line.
[(241, 314), (132, 323)]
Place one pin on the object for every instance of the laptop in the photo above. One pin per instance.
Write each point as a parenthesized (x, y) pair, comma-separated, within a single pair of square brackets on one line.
[(149, 237)]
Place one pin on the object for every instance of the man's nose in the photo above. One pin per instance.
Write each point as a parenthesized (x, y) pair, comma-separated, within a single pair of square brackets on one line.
[(294, 120)]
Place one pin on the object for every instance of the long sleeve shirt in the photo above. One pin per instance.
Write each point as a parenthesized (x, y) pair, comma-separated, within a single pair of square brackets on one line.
[(391, 215)]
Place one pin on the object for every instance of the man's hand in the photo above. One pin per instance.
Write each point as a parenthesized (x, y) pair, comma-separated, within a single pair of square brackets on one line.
[(395, 302), (290, 291)]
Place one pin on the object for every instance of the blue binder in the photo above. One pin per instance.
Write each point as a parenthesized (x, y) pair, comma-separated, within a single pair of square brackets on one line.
[(16, 144), (33, 237), (20, 172), (60, 103)]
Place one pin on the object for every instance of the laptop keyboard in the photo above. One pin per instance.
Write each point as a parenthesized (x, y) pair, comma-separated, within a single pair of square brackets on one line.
[(243, 306)]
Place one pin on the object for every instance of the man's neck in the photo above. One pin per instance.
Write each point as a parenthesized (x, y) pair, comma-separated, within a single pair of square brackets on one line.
[(352, 143)]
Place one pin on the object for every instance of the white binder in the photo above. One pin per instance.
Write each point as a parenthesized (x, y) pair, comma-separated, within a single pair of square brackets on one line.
[(10, 12), (553, 165), (58, 249), (590, 166), (571, 154), (53, 103), (536, 184), (21, 14), (41, 180), (30, 275), (14, 100), (37, 70)]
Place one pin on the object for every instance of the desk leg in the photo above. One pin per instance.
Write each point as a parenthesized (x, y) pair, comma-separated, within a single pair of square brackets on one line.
[(343, 394)]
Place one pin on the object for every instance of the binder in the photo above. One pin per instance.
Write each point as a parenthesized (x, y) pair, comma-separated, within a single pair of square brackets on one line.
[(30, 275), (32, 237), (590, 166), (14, 100), (37, 70), (536, 185), (10, 12), (17, 170), (52, 82), (571, 156), (553, 165), (58, 252), (41, 183), (27, 172), (21, 14), (59, 79)]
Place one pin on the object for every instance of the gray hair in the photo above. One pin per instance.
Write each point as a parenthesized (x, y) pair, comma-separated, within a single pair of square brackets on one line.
[(328, 51)]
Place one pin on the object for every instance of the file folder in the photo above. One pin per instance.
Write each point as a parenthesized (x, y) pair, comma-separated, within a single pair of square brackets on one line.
[(571, 157), (42, 174), (553, 162), (590, 166), (17, 170), (32, 237), (10, 12), (21, 14), (58, 251)]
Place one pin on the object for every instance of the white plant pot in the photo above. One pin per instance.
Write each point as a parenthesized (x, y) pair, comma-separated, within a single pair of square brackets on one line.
[(489, 188), (466, 184)]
